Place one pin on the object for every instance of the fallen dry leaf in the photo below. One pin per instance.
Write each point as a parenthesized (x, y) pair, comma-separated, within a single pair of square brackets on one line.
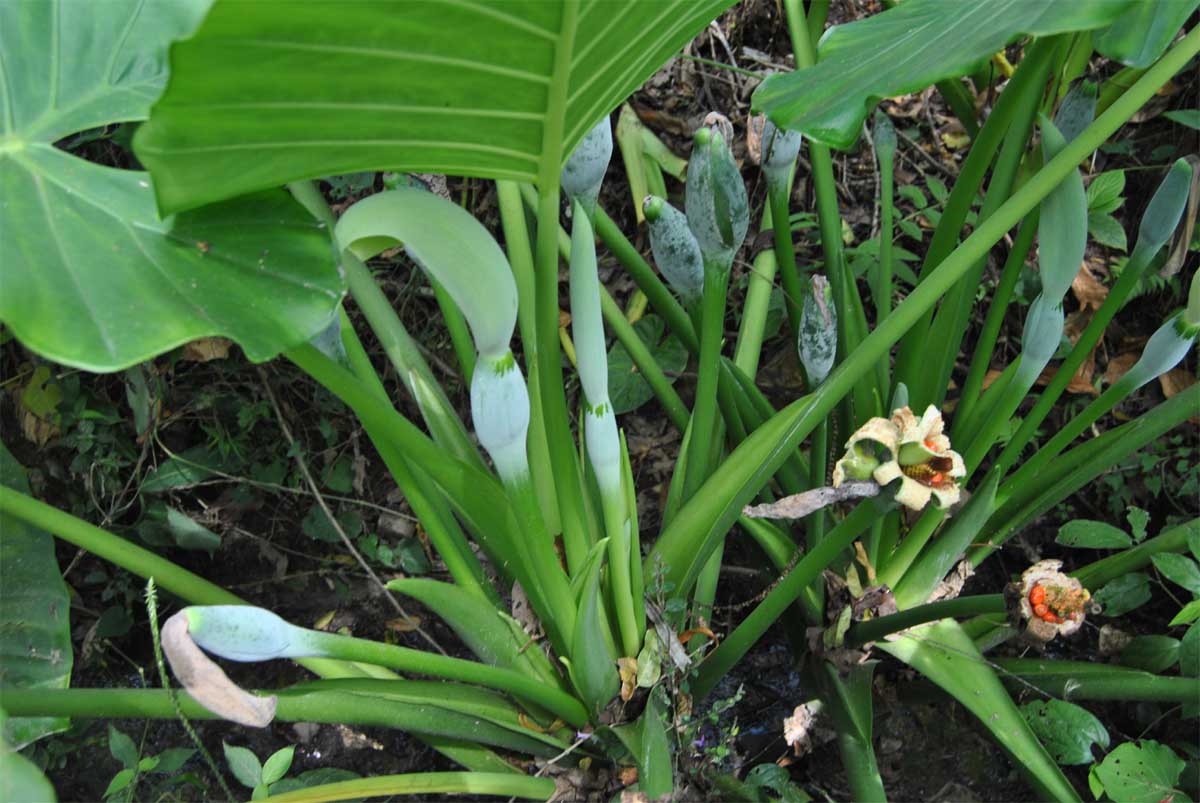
[(1081, 382), (1175, 381), (1088, 290), (404, 624), (1119, 365), (628, 776), (991, 376), (206, 349), (628, 669)]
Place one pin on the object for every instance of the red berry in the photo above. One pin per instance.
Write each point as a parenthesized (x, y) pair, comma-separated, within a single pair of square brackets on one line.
[(1037, 595)]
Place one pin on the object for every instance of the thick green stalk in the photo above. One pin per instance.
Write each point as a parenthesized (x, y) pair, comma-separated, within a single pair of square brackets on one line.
[(335, 707), (502, 784), (874, 629), (1075, 427), (402, 350), (535, 545), (754, 313), (475, 495), (984, 347), (704, 408), (852, 321), (425, 501), (1080, 680), (580, 530), (699, 526), (700, 461), (520, 258), (761, 284), (404, 659), (103, 544), (785, 592), (785, 252), (887, 233), (911, 546), (818, 13), (142, 562), (1022, 503)]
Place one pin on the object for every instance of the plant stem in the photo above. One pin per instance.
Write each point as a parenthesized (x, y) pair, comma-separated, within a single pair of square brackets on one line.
[(502, 784), (785, 592), (982, 358), (852, 322), (704, 408), (456, 325), (1080, 680), (785, 253), (580, 530), (1029, 77), (399, 346), (874, 629), (748, 349), (404, 659), (520, 258)]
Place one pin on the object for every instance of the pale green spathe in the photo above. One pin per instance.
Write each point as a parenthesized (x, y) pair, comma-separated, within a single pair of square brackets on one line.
[(449, 244), (500, 413)]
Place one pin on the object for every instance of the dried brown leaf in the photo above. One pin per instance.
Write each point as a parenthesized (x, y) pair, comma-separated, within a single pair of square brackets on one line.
[(206, 349), (1088, 290), (1118, 366)]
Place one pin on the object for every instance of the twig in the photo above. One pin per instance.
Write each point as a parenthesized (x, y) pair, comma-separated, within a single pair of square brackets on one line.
[(316, 492)]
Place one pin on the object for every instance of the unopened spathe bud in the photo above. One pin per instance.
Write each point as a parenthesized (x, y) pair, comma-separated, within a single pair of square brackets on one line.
[(817, 340), (500, 413), (675, 249), (717, 209), (584, 171)]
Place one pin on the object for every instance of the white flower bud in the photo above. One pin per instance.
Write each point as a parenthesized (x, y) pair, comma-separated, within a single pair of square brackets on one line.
[(500, 413)]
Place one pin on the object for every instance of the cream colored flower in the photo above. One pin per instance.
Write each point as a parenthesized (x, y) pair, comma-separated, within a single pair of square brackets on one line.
[(917, 452), (1053, 603)]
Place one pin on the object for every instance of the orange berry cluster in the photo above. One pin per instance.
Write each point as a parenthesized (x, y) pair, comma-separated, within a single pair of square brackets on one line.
[(1037, 598)]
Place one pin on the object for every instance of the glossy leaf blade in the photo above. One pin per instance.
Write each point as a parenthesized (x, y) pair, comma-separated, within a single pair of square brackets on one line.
[(35, 627), (92, 278), (462, 88), (946, 655), (1144, 31), (905, 49)]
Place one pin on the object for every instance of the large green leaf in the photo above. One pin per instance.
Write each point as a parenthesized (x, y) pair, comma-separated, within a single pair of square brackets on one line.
[(91, 276), (942, 652), (1143, 32), (20, 779), (907, 48), (35, 629), (271, 92)]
